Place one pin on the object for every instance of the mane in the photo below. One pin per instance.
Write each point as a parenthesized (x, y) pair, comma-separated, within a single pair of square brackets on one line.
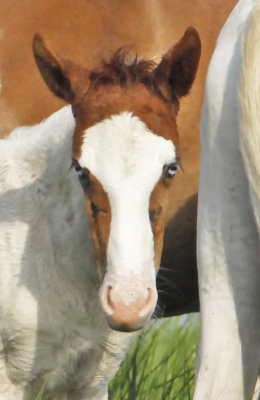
[(125, 69), (249, 102)]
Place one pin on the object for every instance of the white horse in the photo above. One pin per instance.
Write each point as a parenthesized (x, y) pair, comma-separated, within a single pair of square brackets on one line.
[(229, 213)]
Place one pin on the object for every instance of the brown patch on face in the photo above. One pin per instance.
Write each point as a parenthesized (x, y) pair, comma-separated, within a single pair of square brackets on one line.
[(99, 213), (158, 205), (154, 214)]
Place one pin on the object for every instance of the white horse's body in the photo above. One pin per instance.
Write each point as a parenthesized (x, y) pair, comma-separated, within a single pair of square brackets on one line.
[(51, 324), (228, 238)]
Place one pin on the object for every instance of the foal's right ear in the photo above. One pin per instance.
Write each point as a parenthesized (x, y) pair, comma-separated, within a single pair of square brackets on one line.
[(176, 72), (52, 70)]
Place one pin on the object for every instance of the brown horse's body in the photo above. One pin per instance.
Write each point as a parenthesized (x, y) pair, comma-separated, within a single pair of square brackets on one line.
[(85, 31)]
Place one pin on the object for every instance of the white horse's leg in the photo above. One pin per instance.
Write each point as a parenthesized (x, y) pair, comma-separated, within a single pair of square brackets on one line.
[(256, 395), (228, 243), (228, 364)]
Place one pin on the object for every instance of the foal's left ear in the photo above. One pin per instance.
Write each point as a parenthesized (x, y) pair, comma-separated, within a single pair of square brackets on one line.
[(176, 72), (62, 77)]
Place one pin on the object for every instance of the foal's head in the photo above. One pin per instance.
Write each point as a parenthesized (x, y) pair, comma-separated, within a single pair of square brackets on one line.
[(125, 152)]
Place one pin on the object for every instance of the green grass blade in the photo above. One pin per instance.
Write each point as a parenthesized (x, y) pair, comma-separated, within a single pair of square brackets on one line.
[(40, 394)]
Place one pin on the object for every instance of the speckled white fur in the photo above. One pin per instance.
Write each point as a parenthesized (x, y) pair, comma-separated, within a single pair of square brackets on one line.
[(51, 324)]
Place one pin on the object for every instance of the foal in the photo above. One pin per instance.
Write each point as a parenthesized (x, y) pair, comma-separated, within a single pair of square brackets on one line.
[(125, 153), (57, 309)]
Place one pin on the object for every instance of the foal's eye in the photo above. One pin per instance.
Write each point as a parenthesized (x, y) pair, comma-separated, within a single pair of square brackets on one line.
[(82, 173), (171, 170)]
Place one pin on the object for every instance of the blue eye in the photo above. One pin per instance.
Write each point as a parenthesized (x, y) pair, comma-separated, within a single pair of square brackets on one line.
[(171, 170)]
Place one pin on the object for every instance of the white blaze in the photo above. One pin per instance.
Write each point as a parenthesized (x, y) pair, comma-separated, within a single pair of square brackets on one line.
[(127, 159)]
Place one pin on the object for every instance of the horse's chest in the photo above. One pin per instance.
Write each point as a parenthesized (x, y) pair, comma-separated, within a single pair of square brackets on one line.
[(73, 362), (73, 358)]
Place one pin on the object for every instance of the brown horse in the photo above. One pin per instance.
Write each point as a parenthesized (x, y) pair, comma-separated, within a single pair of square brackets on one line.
[(96, 28)]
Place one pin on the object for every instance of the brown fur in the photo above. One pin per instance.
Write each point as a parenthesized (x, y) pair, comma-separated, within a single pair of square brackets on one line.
[(100, 223)]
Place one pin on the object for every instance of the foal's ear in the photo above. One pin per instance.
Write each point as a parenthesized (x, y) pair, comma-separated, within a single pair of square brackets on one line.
[(62, 77), (51, 69), (176, 72)]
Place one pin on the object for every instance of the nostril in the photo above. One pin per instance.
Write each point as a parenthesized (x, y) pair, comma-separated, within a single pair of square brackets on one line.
[(109, 300), (151, 299), (106, 302)]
